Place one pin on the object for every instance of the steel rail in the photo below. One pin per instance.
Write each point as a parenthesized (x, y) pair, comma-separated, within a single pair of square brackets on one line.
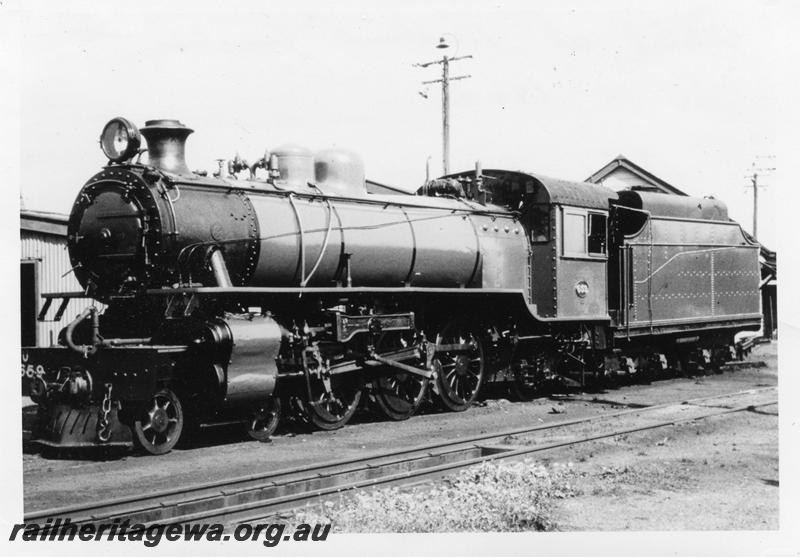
[(199, 493), (417, 476)]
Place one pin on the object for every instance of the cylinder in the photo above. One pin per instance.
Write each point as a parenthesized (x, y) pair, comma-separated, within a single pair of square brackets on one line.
[(252, 372)]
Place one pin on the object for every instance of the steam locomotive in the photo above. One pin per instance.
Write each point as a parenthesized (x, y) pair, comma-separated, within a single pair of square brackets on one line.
[(285, 287)]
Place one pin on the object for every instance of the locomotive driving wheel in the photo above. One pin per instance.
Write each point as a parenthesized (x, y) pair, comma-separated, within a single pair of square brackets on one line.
[(159, 424), (397, 394), (262, 421), (331, 398), (459, 366)]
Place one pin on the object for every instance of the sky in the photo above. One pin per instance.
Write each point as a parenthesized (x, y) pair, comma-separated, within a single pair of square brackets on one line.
[(687, 91)]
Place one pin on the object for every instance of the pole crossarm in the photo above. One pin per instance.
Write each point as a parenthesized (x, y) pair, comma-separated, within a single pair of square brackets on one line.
[(450, 59), (449, 79)]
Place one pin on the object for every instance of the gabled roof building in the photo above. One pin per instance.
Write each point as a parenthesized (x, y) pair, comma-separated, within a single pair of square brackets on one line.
[(622, 173)]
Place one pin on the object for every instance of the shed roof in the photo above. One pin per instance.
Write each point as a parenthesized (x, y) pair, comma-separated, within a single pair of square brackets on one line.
[(43, 222)]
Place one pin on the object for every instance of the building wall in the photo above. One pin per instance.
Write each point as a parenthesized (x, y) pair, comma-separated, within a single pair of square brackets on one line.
[(53, 275)]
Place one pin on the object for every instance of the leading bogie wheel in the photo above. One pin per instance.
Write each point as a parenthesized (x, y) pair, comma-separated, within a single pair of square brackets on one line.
[(459, 372), (159, 423)]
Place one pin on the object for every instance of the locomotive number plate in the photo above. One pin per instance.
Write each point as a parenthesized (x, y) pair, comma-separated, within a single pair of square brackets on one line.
[(30, 370)]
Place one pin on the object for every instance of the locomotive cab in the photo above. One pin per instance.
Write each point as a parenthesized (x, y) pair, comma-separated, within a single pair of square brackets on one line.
[(569, 245), (567, 228)]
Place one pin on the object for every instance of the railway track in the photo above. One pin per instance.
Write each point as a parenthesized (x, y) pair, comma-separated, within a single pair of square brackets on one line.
[(261, 496)]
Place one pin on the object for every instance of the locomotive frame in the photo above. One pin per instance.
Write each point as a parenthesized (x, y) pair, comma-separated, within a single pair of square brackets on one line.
[(300, 293)]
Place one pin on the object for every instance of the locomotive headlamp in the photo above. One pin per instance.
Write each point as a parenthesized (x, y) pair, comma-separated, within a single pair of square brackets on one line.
[(120, 140)]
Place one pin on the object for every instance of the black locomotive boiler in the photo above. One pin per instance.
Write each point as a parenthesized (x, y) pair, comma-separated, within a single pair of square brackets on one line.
[(284, 287)]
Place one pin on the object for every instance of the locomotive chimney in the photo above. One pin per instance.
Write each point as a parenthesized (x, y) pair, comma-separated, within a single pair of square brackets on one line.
[(166, 142)]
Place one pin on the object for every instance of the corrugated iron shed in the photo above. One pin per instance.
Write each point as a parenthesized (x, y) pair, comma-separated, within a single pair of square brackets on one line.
[(45, 268)]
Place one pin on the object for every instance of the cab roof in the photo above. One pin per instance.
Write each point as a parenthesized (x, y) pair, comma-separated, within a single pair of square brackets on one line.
[(507, 188)]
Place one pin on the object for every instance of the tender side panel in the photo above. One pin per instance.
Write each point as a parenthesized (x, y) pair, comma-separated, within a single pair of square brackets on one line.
[(684, 272)]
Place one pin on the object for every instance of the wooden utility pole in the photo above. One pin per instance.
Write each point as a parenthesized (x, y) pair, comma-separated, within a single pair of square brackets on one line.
[(445, 81), (753, 177)]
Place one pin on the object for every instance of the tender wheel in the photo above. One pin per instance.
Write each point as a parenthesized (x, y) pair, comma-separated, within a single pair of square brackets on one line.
[(719, 357), (395, 393), (646, 370), (685, 365), (459, 373), (263, 419), (159, 424)]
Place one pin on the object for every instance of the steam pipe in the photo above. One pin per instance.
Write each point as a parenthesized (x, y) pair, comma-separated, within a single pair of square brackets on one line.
[(219, 268), (305, 280), (97, 340), (85, 349), (263, 162), (125, 341)]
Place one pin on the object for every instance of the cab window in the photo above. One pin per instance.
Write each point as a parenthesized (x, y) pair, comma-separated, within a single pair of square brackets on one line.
[(583, 233), (597, 234)]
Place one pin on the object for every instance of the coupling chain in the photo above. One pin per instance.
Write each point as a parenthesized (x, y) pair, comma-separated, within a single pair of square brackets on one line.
[(103, 426)]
